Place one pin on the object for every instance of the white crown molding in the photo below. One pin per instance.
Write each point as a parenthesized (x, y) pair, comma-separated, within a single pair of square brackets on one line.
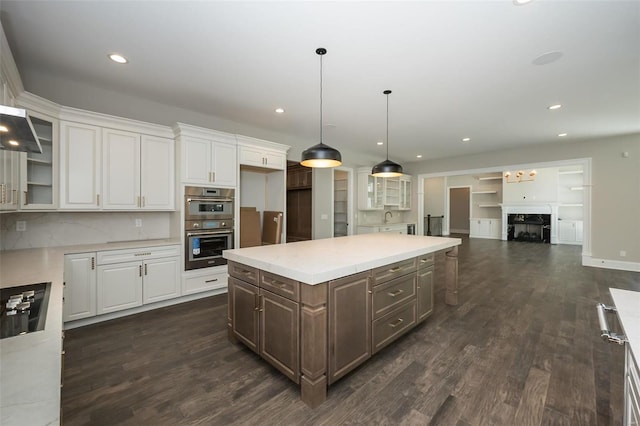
[(8, 66), (249, 141), (187, 130), (35, 103), (110, 121)]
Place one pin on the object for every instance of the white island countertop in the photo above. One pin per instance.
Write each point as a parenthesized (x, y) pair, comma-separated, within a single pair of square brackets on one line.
[(30, 369), (316, 261), (628, 306)]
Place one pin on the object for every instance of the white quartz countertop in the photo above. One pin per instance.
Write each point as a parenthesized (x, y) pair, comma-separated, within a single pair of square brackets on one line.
[(317, 261), (30, 364), (628, 306)]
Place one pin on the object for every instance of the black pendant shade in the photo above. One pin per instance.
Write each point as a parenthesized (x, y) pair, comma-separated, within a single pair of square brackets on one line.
[(321, 155), (387, 168)]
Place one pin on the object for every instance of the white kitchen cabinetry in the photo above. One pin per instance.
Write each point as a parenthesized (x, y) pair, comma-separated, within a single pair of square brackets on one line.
[(392, 192), (485, 228), (80, 165), (197, 281), (370, 190), (405, 192), (394, 229), (207, 157), (570, 232), (631, 415), (79, 286), (138, 171), (39, 172), (128, 278), (9, 180), (261, 157)]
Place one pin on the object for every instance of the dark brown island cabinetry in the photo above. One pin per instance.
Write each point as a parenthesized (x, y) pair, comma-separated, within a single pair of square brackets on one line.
[(316, 334)]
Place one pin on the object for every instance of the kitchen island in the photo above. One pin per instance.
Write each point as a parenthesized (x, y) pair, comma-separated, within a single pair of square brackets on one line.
[(317, 309)]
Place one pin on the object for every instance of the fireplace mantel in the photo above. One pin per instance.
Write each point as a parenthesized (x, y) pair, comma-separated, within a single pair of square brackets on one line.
[(531, 208)]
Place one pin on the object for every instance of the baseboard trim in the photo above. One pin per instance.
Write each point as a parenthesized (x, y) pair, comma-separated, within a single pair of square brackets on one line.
[(459, 231), (144, 308), (619, 265)]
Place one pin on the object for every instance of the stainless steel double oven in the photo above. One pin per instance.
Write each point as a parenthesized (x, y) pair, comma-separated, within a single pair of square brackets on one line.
[(208, 225)]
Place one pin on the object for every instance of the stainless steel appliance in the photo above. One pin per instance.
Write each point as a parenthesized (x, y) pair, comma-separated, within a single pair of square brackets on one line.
[(23, 309), (208, 226)]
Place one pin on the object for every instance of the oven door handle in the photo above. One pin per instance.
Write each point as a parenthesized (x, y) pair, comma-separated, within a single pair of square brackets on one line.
[(192, 234), (214, 200)]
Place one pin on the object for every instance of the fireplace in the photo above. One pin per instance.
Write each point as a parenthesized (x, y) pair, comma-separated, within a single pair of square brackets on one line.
[(520, 221), (534, 228)]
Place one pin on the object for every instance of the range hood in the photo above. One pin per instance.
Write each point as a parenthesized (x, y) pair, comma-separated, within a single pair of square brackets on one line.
[(16, 131)]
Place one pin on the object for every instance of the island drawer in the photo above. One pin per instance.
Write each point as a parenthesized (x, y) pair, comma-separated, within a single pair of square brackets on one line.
[(391, 326), (388, 296), (425, 260), (389, 272), (243, 272), (285, 287)]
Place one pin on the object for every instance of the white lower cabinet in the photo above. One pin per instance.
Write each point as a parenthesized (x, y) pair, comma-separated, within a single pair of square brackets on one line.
[(204, 280), (485, 228), (114, 280), (631, 389), (119, 286), (394, 229), (570, 231), (79, 286)]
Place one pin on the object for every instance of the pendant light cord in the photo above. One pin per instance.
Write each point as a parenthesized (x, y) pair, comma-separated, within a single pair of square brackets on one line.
[(321, 98), (387, 126)]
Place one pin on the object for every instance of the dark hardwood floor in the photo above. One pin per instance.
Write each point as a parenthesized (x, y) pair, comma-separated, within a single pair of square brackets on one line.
[(521, 348)]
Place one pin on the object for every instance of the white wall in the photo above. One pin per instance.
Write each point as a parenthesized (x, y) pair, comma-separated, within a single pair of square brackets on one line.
[(614, 190), (543, 189)]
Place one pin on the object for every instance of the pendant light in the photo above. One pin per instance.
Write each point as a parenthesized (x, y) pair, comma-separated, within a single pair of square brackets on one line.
[(321, 155), (387, 168)]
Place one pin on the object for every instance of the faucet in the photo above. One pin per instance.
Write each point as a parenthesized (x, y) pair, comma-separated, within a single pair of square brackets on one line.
[(385, 216)]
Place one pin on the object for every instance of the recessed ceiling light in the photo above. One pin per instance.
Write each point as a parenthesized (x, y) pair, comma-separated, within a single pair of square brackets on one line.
[(4, 129), (279, 110), (118, 58), (556, 106), (466, 139), (14, 143), (547, 58), (521, 2), (419, 156), (562, 135), (380, 143)]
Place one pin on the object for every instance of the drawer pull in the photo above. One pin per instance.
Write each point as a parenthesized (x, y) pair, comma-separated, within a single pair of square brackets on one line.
[(395, 293), (424, 260), (211, 281), (396, 269), (396, 323)]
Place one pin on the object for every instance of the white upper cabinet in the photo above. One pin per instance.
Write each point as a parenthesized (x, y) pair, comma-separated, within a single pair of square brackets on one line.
[(39, 172), (121, 170), (138, 171), (207, 157), (263, 154), (405, 192), (370, 190), (157, 176), (80, 165), (9, 180)]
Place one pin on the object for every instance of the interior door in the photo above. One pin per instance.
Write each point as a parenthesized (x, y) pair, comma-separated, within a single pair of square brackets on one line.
[(341, 202)]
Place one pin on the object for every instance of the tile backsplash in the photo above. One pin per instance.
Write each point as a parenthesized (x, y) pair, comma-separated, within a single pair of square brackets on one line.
[(49, 229)]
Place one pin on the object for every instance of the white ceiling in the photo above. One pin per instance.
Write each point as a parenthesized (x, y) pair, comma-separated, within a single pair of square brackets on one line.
[(457, 69)]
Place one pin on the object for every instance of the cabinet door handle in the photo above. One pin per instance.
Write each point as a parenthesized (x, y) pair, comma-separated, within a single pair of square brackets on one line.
[(143, 203), (395, 293), (256, 302), (140, 270), (98, 199), (145, 269), (138, 201), (26, 198), (14, 197), (396, 323), (93, 263), (211, 281)]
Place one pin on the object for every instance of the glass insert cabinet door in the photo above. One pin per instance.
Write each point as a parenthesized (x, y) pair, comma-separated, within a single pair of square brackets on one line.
[(38, 172), (375, 192)]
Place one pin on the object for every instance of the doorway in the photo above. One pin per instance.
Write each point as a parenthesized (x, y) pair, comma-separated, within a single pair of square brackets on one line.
[(341, 205), (459, 210)]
